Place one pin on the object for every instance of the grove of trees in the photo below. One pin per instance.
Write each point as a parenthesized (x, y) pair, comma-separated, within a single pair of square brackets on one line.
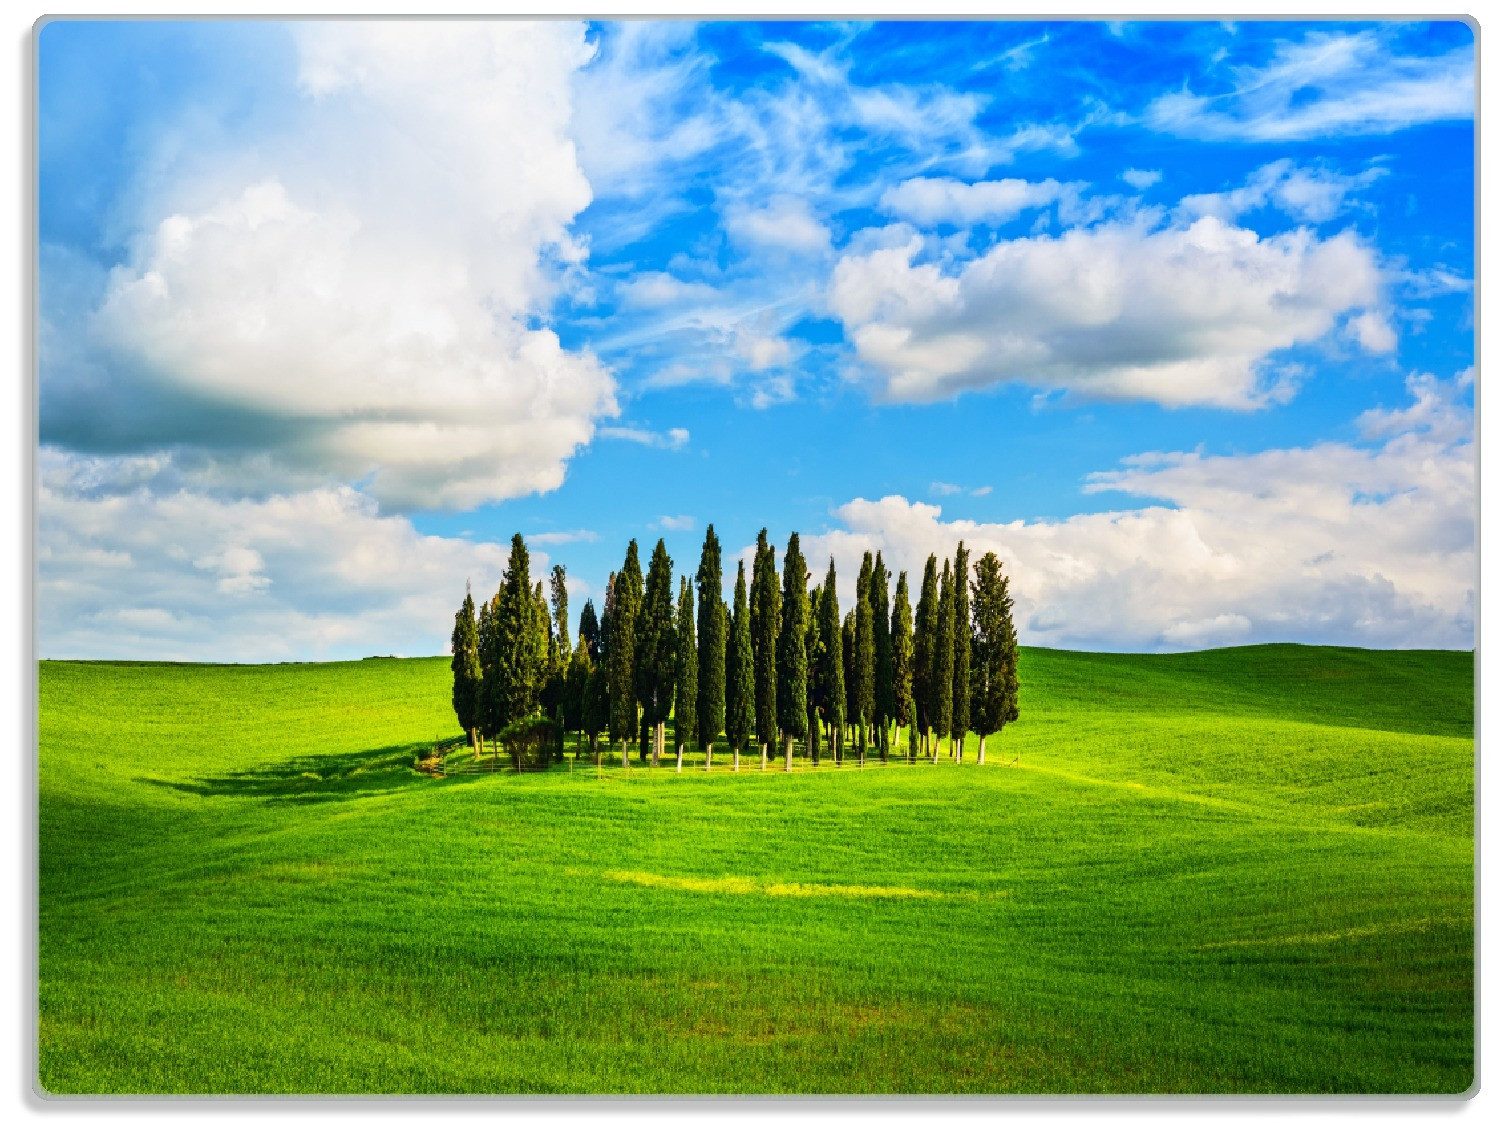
[(779, 666)]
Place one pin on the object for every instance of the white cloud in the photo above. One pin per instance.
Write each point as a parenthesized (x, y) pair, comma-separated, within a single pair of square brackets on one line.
[(785, 223), (1308, 194), (1140, 179), (1373, 332), (562, 537), (662, 290), (318, 574), (1178, 315), (932, 201), (356, 296), (1326, 84), (673, 439), (1332, 543), (676, 522)]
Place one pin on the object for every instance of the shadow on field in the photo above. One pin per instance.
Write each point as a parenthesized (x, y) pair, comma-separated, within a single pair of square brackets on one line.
[(315, 779)]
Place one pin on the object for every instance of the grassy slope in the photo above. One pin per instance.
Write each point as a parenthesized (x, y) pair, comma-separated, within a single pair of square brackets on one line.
[(1244, 870)]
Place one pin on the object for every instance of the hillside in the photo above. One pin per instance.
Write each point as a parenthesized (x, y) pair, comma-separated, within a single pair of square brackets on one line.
[(1241, 870)]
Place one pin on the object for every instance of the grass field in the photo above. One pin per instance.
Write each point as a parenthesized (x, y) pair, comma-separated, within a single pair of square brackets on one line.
[(1247, 870)]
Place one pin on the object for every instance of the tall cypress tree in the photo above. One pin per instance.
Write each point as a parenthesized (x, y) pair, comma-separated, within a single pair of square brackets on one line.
[(924, 650), (765, 619), (588, 631), (831, 663), (880, 605), (560, 614), (941, 701), (520, 652), (620, 652), (791, 648), (814, 681), (489, 662), (903, 708), (739, 661), (468, 676), (595, 704), (846, 642), (575, 686), (962, 641), (685, 722), (996, 685), (712, 641), (656, 652), (864, 653)]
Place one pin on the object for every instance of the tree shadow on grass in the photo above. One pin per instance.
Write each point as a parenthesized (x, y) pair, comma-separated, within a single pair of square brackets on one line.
[(325, 778)]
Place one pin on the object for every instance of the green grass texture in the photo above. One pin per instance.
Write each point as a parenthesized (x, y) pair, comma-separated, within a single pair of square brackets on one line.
[(1248, 870)]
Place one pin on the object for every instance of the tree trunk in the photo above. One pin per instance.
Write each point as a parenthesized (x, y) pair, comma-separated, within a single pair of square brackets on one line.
[(787, 739), (981, 749), (679, 756), (624, 752), (708, 755), (736, 758), (765, 752)]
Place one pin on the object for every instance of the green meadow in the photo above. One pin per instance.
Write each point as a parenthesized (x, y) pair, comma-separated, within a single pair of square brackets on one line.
[(1241, 871)]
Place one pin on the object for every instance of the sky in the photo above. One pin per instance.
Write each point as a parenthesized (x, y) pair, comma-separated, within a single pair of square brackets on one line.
[(1177, 318)]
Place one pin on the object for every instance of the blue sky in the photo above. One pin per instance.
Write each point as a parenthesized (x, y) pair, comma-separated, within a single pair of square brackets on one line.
[(1176, 317)]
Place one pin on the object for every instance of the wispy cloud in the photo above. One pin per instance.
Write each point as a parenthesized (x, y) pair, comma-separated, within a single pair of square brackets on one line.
[(564, 537), (672, 439), (1325, 84)]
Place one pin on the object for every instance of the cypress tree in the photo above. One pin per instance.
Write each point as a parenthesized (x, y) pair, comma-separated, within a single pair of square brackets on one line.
[(580, 666), (924, 650), (846, 646), (814, 665), (685, 722), (903, 708), (765, 618), (962, 641), (831, 663), (656, 652), (620, 652), (595, 704), (880, 604), (468, 676), (712, 641), (791, 648), (864, 653), (489, 662), (739, 666), (941, 701), (520, 651), (588, 631), (560, 614), (996, 686)]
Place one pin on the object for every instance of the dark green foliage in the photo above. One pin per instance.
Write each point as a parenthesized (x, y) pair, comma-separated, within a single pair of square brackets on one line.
[(994, 673), (685, 722), (830, 675), (941, 686), (962, 641), (765, 619), (520, 641), (489, 657), (656, 641), (791, 643), (531, 741), (595, 705), (713, 638), (619, 649), (560, 631), (924, 647), (846, 644), (880, 604), (468, 676), (814, 658), (903, 707), (580, 666), (588, 630), (739, 663), (863, 692)]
